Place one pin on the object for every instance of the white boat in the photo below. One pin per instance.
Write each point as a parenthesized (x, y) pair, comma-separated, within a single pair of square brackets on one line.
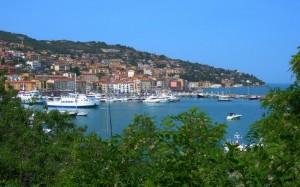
[(71, 113), (224, 98), (73, 101), (155, 99), (34, 97), (81, 114), (170, 98), (254, 97), (237, 140), (233, 116)]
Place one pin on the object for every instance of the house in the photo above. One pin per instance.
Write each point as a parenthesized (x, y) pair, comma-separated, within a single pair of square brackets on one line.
[(67, 85), (60, 67), (130, 73), (41, 80), (34, 64), (33, 56), (88, 77), (22, 85), (144, 85)]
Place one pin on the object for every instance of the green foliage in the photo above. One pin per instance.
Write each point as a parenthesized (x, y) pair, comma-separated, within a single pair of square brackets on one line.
[(76, 70), (100, 75), (278, 131), (2, 61), (185, 150), (28, 154)]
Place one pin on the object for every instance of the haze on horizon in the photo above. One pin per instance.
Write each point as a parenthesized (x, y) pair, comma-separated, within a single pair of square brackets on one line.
[(255, 37)]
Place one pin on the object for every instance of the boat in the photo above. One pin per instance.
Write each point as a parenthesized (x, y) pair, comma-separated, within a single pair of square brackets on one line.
[(73, 101), (224, 98), (254, 97), (81, 114), (200, 95), (71, 113), (155, 99), (28, 97), (232, 116), (237, 141), (172, 98)]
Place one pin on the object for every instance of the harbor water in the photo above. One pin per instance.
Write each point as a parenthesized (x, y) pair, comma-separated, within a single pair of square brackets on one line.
[(121, 114)]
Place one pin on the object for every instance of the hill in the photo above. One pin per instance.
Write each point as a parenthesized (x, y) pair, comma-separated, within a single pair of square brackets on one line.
[(189, 71)]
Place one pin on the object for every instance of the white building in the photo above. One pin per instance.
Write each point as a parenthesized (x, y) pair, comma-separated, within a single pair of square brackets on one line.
[(34, 64), (130, 73), (148, 71), (123, 87), (61, 67)]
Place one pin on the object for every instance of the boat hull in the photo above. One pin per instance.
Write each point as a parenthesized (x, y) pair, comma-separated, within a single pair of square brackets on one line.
[(58, 105)]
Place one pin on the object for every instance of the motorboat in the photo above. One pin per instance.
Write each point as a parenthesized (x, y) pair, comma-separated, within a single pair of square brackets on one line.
[(70, 113), (254, 97), (224, 98), (172, 98), (200, 95), (232, 116), (155, 99), (81, 114)]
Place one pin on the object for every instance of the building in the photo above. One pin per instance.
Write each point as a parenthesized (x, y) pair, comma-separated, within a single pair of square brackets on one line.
[(143, 85), (148, 71), (193, 85), (23, 85), (41, 80), (34, 64), (61, 67), (32, 56), (67, 85), (176, 85), (10, 69), (114, 63), (123, 87), (89, 77), (130, 73)]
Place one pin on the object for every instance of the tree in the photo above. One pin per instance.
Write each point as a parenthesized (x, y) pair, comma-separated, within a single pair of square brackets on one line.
[(100, 75), (3, 61), (275, 161), (29, 154), (186, 150), (76, 70)]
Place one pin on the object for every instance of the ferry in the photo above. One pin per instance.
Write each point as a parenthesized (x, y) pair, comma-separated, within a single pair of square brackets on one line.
[(72, 101)]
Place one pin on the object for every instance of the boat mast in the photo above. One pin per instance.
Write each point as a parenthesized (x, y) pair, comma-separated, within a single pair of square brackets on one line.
[(109, 124), (75, 93)]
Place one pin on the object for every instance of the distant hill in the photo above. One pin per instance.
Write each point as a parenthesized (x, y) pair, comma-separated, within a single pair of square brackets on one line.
[(193, 71)]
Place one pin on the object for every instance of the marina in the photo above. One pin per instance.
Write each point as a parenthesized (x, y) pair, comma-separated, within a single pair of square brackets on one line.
[(120, 114)]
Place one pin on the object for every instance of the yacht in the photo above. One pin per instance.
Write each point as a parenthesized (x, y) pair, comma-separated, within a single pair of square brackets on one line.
[(155, 99), (224, 98)]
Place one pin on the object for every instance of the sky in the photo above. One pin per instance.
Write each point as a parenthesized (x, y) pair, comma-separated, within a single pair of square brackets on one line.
[(257, 37)]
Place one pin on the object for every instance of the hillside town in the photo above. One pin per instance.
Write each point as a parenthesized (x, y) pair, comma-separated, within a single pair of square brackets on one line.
[(103, 72)]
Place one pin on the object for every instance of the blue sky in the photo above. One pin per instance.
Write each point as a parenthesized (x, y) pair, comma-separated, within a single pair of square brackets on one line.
[(256, 37)]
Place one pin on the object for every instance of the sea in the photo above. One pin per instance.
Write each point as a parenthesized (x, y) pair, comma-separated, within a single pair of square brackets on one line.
[(112, 118)]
